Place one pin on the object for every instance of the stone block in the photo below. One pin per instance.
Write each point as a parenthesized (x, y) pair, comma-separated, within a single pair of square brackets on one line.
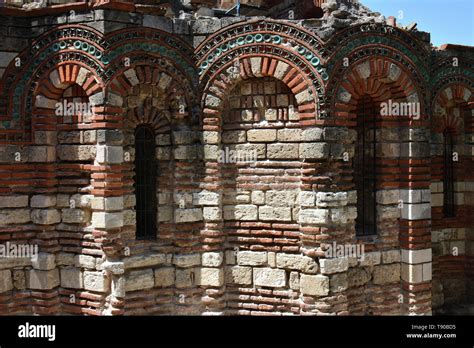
[(186, 278), (96, 281), (331, 199), (314, 285), (65, 259), (107, 203), (42, 201), (331, 266), (207, 198), (43, 261), (261, 135), (139, 280), (338, 282), (266, 213), (212, 259), (109, 154), (43, 280), (6, 283), (314, 216), (416, 256), (280, 198), (75, 216), (391, 256), (107, 220), (252, 258), (313, 151), (13, 201), (307, 198), (386, 274), (312, 134), (85, 261), (211, 277), (45, 216), (238, 275), (269, 277), (283, 151), (358, 276), (164, 277), (371, 259), (188, 215), (234, 137), (185, 261), (72, 278), (212, 213), (76, 152), (14, 216), (241, 212), (289, 135), (297, 262), (145, 260)]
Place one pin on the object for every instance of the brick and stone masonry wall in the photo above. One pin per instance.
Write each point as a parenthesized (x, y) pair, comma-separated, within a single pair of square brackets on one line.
[(234, 237)]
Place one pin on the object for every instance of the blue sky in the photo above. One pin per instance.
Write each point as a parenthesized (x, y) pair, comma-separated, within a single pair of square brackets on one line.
[(448, 21)]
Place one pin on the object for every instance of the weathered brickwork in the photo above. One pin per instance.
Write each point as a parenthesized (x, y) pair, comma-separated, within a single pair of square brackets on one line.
[(255, 125)]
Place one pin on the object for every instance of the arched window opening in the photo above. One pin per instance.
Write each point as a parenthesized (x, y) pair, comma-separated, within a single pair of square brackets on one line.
[(365, 168), (145, 183), (448, 174)]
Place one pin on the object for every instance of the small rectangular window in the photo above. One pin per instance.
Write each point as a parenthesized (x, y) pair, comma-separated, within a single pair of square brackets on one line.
[(145, 183)]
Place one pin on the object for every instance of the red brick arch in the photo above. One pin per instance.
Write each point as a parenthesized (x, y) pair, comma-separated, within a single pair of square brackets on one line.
[(452, 96), (255, 66), (378, 77)]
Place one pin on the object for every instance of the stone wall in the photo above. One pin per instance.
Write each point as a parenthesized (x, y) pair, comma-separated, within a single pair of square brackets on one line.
[(255, 125)]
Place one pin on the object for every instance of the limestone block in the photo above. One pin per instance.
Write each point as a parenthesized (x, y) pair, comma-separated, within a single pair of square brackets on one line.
[(261, 135), (212, 213), (358, 276), (45, 216), (42, 201), (6, 283), (107, 220), (188, 215), (266, 213), (314, 285), (185, 261), (72, 278), (76, 152), (314, 151), (186, 278), (258, 197), (43, 261), (96, 281), (314, 216), (211, 137), (283, 151), (289, 135), (307, 198), (75, 216), (297, 262), (164, 277), (65, 259), (211, 277), (145, 260), (107, 203), (331, 199), (243, 212), (251, 258), (312, 134), (343, 215), (371, 259), (338, 282), (416, 256), (391, 256), (269, 277), (13, 202), (386, 274), (238, 275), (85, 261), (109, 154), (206, 198), (139, 280), (280, 198), (14, 216), (336, 265), (234, 137), (294, 281), (388, 196), (43, 280), (212, 259)]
